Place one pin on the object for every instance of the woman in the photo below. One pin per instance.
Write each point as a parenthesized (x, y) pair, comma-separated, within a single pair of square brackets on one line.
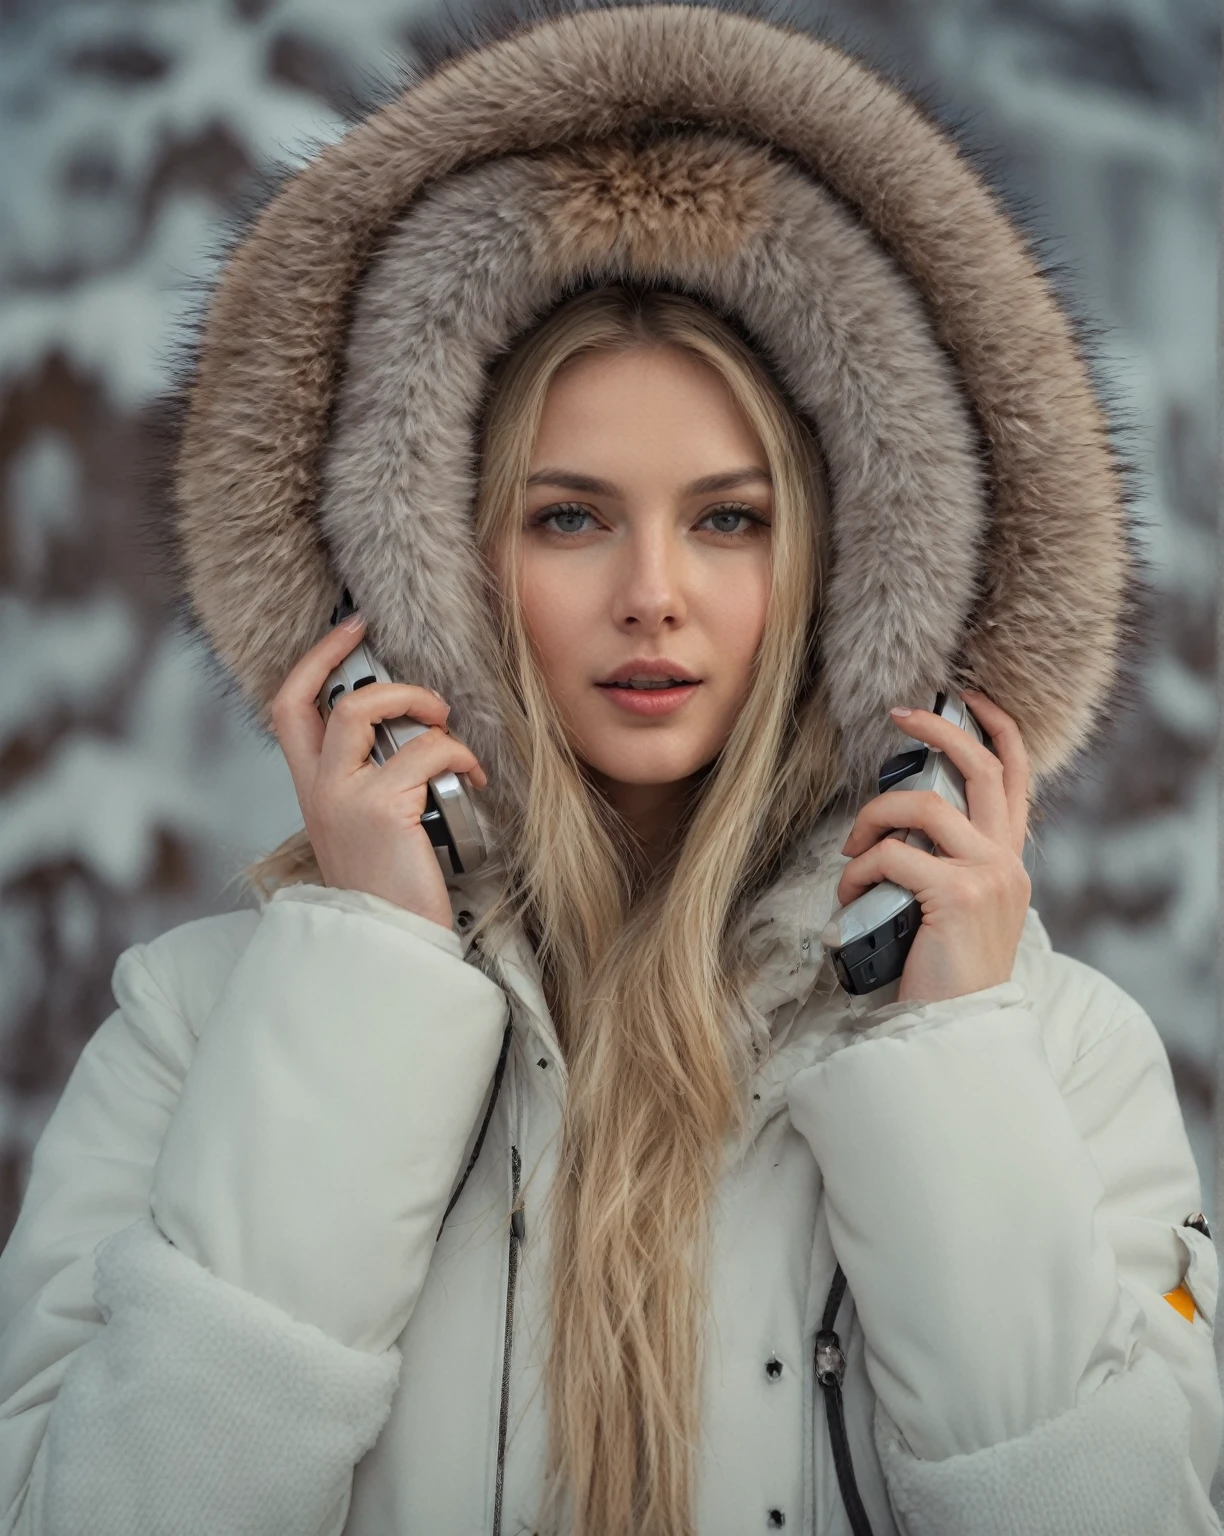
[(516, 1201)]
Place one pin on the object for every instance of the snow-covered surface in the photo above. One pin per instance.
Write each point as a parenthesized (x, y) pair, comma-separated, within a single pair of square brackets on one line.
[(130, 792)]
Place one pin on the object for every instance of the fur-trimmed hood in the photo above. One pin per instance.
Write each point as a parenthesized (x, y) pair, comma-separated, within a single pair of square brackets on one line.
[(979, 531)]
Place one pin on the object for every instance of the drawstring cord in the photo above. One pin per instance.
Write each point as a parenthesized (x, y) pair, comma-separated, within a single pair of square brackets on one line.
[(830, 1368)]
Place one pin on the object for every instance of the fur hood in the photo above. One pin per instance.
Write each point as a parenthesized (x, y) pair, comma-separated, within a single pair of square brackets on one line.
[(979, 524)]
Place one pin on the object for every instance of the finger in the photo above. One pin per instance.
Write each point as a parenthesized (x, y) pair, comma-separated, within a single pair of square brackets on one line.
[(912, 868), (950, 829), (427, 756), (981, 769), (350, 729), (294, 711), (1009, 744)]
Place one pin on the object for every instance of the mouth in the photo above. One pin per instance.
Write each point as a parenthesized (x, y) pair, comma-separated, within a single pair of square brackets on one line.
[(654, 685), (654, 698)]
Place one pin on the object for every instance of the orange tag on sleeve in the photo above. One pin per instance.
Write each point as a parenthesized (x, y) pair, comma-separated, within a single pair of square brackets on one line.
[(1181, 1301)]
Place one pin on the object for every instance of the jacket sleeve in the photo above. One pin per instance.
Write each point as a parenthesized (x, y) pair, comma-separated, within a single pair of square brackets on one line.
[(1010, 1230), (220, 1241)]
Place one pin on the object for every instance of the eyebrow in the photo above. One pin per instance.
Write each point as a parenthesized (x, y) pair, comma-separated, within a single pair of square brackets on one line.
[(569, 480)]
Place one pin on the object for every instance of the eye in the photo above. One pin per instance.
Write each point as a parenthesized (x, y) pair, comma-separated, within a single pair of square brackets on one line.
[(568, 509), (566, 519), (750, 520)]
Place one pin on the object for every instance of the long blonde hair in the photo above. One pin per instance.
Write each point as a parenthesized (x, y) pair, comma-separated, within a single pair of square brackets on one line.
[(644, 974)]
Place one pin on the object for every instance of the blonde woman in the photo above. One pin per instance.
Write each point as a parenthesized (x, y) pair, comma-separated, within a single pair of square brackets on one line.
[(573, 1194)]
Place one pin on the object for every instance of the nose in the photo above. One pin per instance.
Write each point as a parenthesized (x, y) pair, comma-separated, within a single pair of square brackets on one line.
[(650, 579)]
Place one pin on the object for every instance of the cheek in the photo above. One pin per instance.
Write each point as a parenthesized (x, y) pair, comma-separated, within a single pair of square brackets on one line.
[(736, 617), (556, 610)]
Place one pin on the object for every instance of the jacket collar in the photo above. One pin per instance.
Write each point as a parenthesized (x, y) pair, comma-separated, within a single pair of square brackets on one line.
[(784, 922), (783, 926)]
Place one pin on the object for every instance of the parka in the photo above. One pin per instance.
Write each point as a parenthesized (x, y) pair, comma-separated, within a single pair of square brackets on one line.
[(231, 1301), (281, 1264)]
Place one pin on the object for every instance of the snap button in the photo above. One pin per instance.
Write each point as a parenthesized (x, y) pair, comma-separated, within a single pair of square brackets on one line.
[(1199, 1222), (806, 945), (776, 1519), (773, 1368)]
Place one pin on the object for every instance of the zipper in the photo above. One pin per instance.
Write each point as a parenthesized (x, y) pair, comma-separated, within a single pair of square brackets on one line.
[(517, 1233)]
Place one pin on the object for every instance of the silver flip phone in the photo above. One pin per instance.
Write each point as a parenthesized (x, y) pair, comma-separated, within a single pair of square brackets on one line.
[(449, 817), (869, 940)]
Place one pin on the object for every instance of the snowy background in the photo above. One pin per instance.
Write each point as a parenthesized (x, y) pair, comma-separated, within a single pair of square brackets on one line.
[(130, 795)]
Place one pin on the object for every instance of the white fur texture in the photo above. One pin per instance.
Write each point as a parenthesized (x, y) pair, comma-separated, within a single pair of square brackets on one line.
[(1136, 1422)]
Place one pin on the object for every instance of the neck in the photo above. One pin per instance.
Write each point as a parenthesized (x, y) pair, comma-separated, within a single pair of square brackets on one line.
[(653, 813)]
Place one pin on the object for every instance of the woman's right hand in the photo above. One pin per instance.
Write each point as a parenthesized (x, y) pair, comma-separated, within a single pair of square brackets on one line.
[(364, 820)]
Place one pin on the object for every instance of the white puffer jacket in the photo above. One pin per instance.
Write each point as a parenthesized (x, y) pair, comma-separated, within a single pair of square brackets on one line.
[(226, 1307)]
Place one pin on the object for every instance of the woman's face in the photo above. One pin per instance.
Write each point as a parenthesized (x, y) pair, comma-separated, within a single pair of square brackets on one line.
[(646, 539)]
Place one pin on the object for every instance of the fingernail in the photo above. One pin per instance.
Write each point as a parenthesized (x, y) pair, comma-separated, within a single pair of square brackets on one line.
[(354, 621), (900, 710)]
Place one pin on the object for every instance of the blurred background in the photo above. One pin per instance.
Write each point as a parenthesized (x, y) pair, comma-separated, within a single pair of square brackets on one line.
[(130, 793)]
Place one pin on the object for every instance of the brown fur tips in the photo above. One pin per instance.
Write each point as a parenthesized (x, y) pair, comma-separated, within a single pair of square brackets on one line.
[(670, 206)]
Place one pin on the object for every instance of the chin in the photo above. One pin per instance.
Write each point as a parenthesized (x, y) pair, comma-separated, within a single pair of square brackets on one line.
[(637, 763)]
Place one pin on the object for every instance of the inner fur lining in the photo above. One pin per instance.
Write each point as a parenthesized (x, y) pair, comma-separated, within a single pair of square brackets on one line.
[(487, 253)]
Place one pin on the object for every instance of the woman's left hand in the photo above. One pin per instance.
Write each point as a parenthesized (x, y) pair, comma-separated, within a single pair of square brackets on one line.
[(974, 898)]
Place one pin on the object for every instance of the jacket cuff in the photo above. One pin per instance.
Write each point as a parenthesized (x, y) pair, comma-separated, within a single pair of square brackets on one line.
[(1113, 1466), (324, 1117), (963, 1209), (253, 1419), (446, 939), (887, 1021)]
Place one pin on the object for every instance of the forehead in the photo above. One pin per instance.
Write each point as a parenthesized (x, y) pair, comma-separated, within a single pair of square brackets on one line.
[(656, 409)]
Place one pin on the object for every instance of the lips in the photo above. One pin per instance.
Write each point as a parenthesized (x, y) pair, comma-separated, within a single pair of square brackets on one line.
[(649, 702)]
